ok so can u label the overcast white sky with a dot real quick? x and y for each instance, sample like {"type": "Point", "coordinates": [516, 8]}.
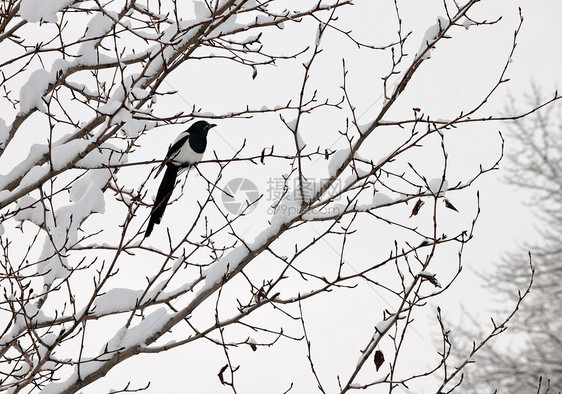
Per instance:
{"type": "Point", "coordinates": [453, 78]}
{"type": "Point", "coordinates": [456, 76]}
{"type": "Point", "coordinates": [458, 73]}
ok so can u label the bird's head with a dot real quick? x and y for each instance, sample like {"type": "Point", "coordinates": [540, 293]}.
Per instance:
{"type": "Point", "coordinates": [200, 127]}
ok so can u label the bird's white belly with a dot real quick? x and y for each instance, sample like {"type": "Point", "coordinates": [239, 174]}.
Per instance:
{"type": "Point", "coordinates": [187, 155]}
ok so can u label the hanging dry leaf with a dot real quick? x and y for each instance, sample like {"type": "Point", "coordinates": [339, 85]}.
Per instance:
{"type": "Point", "coordinates": [379, 359]}
{"type": "Point", "coordinates": [220, 374]}
{"type": "Point", "coordinates": [417, 207]}
{"type": "Point", "coordinates": [450, 206]}
{"type": "Point", "coordinates": [430, 277]}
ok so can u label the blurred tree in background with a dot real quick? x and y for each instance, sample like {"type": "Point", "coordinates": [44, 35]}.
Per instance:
{"type": "Point", "coordinates": [531, 349]}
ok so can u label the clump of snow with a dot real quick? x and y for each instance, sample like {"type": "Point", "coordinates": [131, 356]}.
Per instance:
{"type": "Point", "coordinates": [382, 326]}
{"type": "Point", "coordinates": [158, 294]}
{"type": "Point", "coordinates": [30, 209]}
{"type": "Point", "coordinates": [131, 126]}
{"type": "Point", "coordinates": [31, 314]}
{"type": "Point", "coordinates": [27, 168]}
{"type": "Point", "coordinates": [97, 27]}
{"type": "Point", "coordinates": [86, 198]}
{"type": "Point", "coordinates": [285, 211]}
{"type": "Point", "coordinates": [111, 107]}
{"type": "Point", "coordinates": [226, 264]}
{"type": "Point", "coordinates": [139, 93]}
{"type": "Point", "coordinates": [101, 156]}
{"type": "Point", "coordinates": [201, 10]}
{"type": "Point", "coordinates": [149, 326]}
{"type": "Point", "coordinates": [430, 35]}
{"type": "Point", "coordinates": [361, 173]}
{"type": "Point", "coordinates": [61, 155]}
{"type": "Point", "coordinates": [33, 175]}
{"type": "Point", "coordinates": [92, 182]}
{"type": "Point", "coordinates": [249, 4]}
{"type": "Point", "coordinates": [363, 128]}
{"type": "Point", "coordinates": [300, 142]}
{"type": "Point", "coordinates": [228, 26]}
{"type": "Point", "coordinates": [337, 161]}
{"type": "Point", "coordinates": [116, 300]}
{"type": "Point", "coordinates": [31, 93]}
{"type": "Point", "coordinates": [101, 23]}
{"type": "Point", "coordinates": [59, 66]}
{"type": "Point", "coordinates": [174, 35]}
{"type": "Point", "coordinates": [291, 124]}
{"type": "Point", "coordinates": [381, 199]}
{"type": "Point", "coordinates": [430, 277]}
{"type": "Point", "coordinates": [438, 186]}
{"type": "Point", "coordinates": [321, 26]}
{"type": "Point", "coordinates": [4, 133]}
{"type": "Point", "coordinates": [86, 367]}
{"type": "Point", "coordinates": [42, 10]}
{"type": "Point", "coordinates": [350, 180]}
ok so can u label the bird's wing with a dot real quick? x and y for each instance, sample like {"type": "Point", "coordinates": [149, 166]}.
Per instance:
{"type": "Point", "coordinates": [176, 145]}
{"type": "Point", "coordinates": [173, 150]}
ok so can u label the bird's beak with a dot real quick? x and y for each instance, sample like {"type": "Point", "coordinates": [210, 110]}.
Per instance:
{"type": "Point", "coordinates": [212, 125]}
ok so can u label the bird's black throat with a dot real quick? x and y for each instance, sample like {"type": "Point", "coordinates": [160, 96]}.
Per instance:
{"type": "Point", "coordinates": [198, 141]}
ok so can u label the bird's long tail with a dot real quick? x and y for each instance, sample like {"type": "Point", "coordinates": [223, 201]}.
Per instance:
{"type": "Point", "coordinates": [162, 197]}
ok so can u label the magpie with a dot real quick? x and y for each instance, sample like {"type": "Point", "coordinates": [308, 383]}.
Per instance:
{"type": "Point", "coordinates": [186, 150]}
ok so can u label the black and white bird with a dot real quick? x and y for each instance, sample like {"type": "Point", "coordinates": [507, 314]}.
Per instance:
{"type": "Point", "coordinates": [186, 150]}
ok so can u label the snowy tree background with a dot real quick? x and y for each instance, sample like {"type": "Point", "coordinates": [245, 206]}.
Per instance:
{"type": "Point", "coordinates": [361, 133]}
{"type": "Point", "coordinates": [531, 348]}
